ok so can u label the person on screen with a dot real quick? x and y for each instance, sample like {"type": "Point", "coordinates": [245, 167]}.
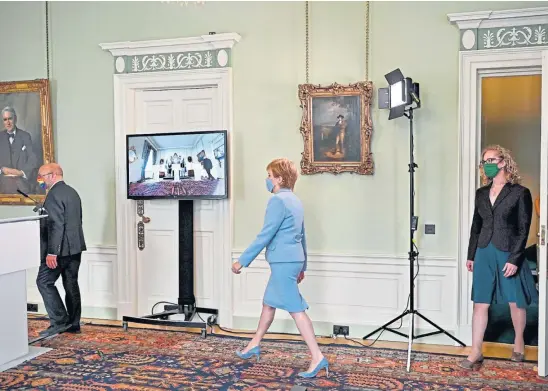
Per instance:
{"type": "Point", "coordinates": [283, 235]}
{"type": "Point", "coordinates": [496, 250]}
{"type": "Point", "coordinates": [161, 168]}
{"type": "Point", "coordinates": [208, 166]}
{"type": "Point", "coordinates": [18, 162]}
{"type": "Point", "coordinates": [61, 243]}
{"type": "Point", "coordinates": [190, 167]}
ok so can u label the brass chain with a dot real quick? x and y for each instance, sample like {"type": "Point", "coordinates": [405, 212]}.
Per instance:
{"type": "Point", "coordinates": [47, 39]}
{"type": "Point", "coordinates": [367, 41]}
{"type": "Point", "coordinates": [306, 24]}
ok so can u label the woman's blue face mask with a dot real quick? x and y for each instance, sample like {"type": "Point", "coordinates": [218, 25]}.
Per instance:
{"type": "Point", "coordinates": [269, 185]}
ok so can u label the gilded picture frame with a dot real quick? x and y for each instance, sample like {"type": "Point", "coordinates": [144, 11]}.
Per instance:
{"type": "Point", "coordinates": [336, 127]}
{"type": "Point", "coordinates": [26, 139]}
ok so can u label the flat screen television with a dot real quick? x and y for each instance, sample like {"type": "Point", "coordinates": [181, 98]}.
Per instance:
{"type": "Point", "coordinates": [182, 165]}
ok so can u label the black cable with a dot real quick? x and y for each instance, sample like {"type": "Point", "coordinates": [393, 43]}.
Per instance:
{"type": "Point", "coordinates": [160, 302]}
{"type": "Point", "coordinates": [362, 344]}
{"type": "Point", "coordinates": [408, 297]}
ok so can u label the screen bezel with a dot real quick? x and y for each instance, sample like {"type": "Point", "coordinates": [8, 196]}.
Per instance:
{"type": "Point", "coordinates": [177, 197]}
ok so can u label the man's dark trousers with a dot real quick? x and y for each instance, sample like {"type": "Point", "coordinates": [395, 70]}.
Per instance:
{"type": "Point", "coordinates": [67, 268]}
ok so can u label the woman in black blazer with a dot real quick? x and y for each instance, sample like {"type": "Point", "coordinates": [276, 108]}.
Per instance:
{"type": "Point", "coordinates": [498, 236]}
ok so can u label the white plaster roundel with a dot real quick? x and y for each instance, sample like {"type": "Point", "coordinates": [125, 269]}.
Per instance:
{"type": "Point", "coordinates": [120, 64]}
{"type": "Point", "coordinates": [222, 57]}
{"type": "Point", "coordinates": [468, 39]}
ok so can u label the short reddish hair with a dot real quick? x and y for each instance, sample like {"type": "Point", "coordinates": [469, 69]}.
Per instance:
{"type": "Point", "coordinates": [285, 169]}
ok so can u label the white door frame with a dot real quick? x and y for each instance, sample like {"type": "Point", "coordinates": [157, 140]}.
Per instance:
{"type": "Point", "coordinates": [472, 64]}
{"type": "Point", "coordinates": [500, 32]}
{"type": "Point", "coordinates": [185, 69]}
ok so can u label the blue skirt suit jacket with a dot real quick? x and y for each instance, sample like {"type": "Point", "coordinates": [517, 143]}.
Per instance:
{"type": "Point", "coordinates": [283, 235]}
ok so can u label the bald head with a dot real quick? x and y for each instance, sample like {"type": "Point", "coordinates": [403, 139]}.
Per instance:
{"type": "Point", "coordinates": [51, 173]}
{"type": "Point", "coordinates": [54, 168]}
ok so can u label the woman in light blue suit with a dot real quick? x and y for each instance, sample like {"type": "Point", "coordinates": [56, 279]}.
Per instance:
{"type": "Point", "coordinates": [283, 235]}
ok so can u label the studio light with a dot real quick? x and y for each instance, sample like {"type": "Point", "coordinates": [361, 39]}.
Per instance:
{"type": "Point", "coordinates": [401, 97]}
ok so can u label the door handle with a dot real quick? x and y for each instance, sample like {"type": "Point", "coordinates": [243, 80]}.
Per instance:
{"type": "Point", "coordinates": [145, 219]}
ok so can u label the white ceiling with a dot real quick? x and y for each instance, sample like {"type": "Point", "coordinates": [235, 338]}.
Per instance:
{"type": "Point", "coordinates": [177, 141]}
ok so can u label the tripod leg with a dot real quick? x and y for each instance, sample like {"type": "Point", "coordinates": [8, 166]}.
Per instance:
{"type": "Point", "coordinates": [385, 326]}
{"type": "Point", "coordinates": [411, 331]}
{"type": "Point", "coordinates": [440, 329]}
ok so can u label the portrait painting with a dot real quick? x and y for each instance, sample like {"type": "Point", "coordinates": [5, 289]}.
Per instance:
{"type": "Point", "coordinates": [336, 127]}
{"type": "Point", "coordinates": [26, 140]}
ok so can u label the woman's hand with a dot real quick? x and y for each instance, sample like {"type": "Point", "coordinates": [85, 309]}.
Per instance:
{"type": "Point", "coordinates": [470, 265]}
{"type": "Point", "coordinates": [300, 277]}
{"type": "Point", "coordinates": [236, 267]}
{"type": "Point", "coordinates": [509, 270]}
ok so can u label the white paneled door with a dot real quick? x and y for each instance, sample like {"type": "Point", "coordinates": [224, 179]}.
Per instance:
{"type": "Point", "coordinates": [157, 264]}
{"type": "Point", "coordinates": [543, 225]}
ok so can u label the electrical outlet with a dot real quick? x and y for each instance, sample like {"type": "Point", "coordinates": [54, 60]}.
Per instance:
{"type": "Point", "coordinates": [341, 330]}
{"type": "Point", "coordinates": [430, 229]}
{"type": "Point", "coordinates": [31, 307]}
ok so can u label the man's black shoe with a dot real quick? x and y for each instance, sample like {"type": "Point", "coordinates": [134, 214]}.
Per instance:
{"type": "Point", "coordinates": [74, 330]}
{"type": "Point", "coordinates": [52, 330]}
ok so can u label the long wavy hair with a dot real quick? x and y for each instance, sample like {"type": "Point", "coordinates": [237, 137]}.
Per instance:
{"type": "Point", "coordinates": [511, 167]}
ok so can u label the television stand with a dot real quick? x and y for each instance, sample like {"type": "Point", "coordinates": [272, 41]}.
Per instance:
{"type": "Point", "coordinates": [187, 302]}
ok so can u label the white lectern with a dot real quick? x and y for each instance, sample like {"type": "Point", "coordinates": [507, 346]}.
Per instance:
{"type": "Point", "coordinates": [19, 251]}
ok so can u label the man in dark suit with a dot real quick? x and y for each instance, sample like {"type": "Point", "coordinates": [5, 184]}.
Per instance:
{"type": "Point", "coordinates": [18, 162]}
{"type": "Point", "coordinates": [208, 166]}
{"type": "Point", "coordinates": [62, 242]}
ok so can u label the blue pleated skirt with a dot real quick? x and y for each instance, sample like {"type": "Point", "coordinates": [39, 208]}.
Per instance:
{"type": "Point", "coordinates": [489, 286]}
{"type": "Point", "coordinates": [282, 291]}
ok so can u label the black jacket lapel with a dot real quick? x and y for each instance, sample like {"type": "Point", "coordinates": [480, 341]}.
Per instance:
{"type": "Point", "coordinates": [485, 201]}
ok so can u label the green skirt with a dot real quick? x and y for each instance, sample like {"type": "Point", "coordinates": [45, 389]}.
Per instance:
{"type": "Point", "coordinates": [489, 286]}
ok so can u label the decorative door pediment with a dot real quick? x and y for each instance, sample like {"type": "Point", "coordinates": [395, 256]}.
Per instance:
{"type": "Point", "coordinates": [506, 29]}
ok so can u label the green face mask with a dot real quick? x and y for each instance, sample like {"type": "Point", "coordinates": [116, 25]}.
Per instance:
{"type": "Point", "coordinates": [491, 170]}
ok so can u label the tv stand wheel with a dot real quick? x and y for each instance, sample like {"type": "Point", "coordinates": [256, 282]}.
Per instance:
{"type": "Point", "coordinates": [204, 333]}
{"type": "Point", "coordinates": [124, 325]}
{"type": "Point", "coordinates": [212, 320]}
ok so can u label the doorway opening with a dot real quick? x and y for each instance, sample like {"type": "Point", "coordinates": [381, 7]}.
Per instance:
{"type": "Point", "coordinates": [511, 117]}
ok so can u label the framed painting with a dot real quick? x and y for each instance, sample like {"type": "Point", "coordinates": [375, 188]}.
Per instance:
{"type": "Point", "coordinates": [26, 139]}
{"type": "Point", "coordinates": [336, 127]}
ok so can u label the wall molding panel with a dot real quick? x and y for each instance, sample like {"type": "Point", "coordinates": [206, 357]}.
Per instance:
{"type": "Point", "coordinates": [364, 290]}
{"type": "Point", "coordinates": [97, 283]}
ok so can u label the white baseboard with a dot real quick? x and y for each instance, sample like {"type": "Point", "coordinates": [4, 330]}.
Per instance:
{"type": "Point", "coordinates": [96, 280]}
{"type": "Point", "coordinates": [87, 312]}
{"type": "Point", "coordinates": [357, 331]}
{"type": "Point", "coordinates": [362, 291]}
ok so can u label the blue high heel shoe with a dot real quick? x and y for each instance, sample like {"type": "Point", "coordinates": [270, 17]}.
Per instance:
{"type": "Point", "coordinates": [323, 364]}
{"type": "Point", "coordinates": [256, 351]}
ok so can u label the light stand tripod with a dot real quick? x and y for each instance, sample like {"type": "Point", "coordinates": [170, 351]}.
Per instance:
{"type": "Point", "coordinates": [412, 257]}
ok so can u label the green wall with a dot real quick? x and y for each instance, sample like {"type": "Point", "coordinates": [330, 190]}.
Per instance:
{"type": "Point", "coordinates": [346, 214]}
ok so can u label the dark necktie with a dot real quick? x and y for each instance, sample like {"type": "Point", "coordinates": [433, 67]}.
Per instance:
{"type": "Point", "coordinates": [11, 137]}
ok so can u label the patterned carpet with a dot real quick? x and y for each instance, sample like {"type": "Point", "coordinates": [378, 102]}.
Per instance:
{"type": "Point", "coordinates": [174, 188]}
{"type": "Point", "coordinates": [107, 359]}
